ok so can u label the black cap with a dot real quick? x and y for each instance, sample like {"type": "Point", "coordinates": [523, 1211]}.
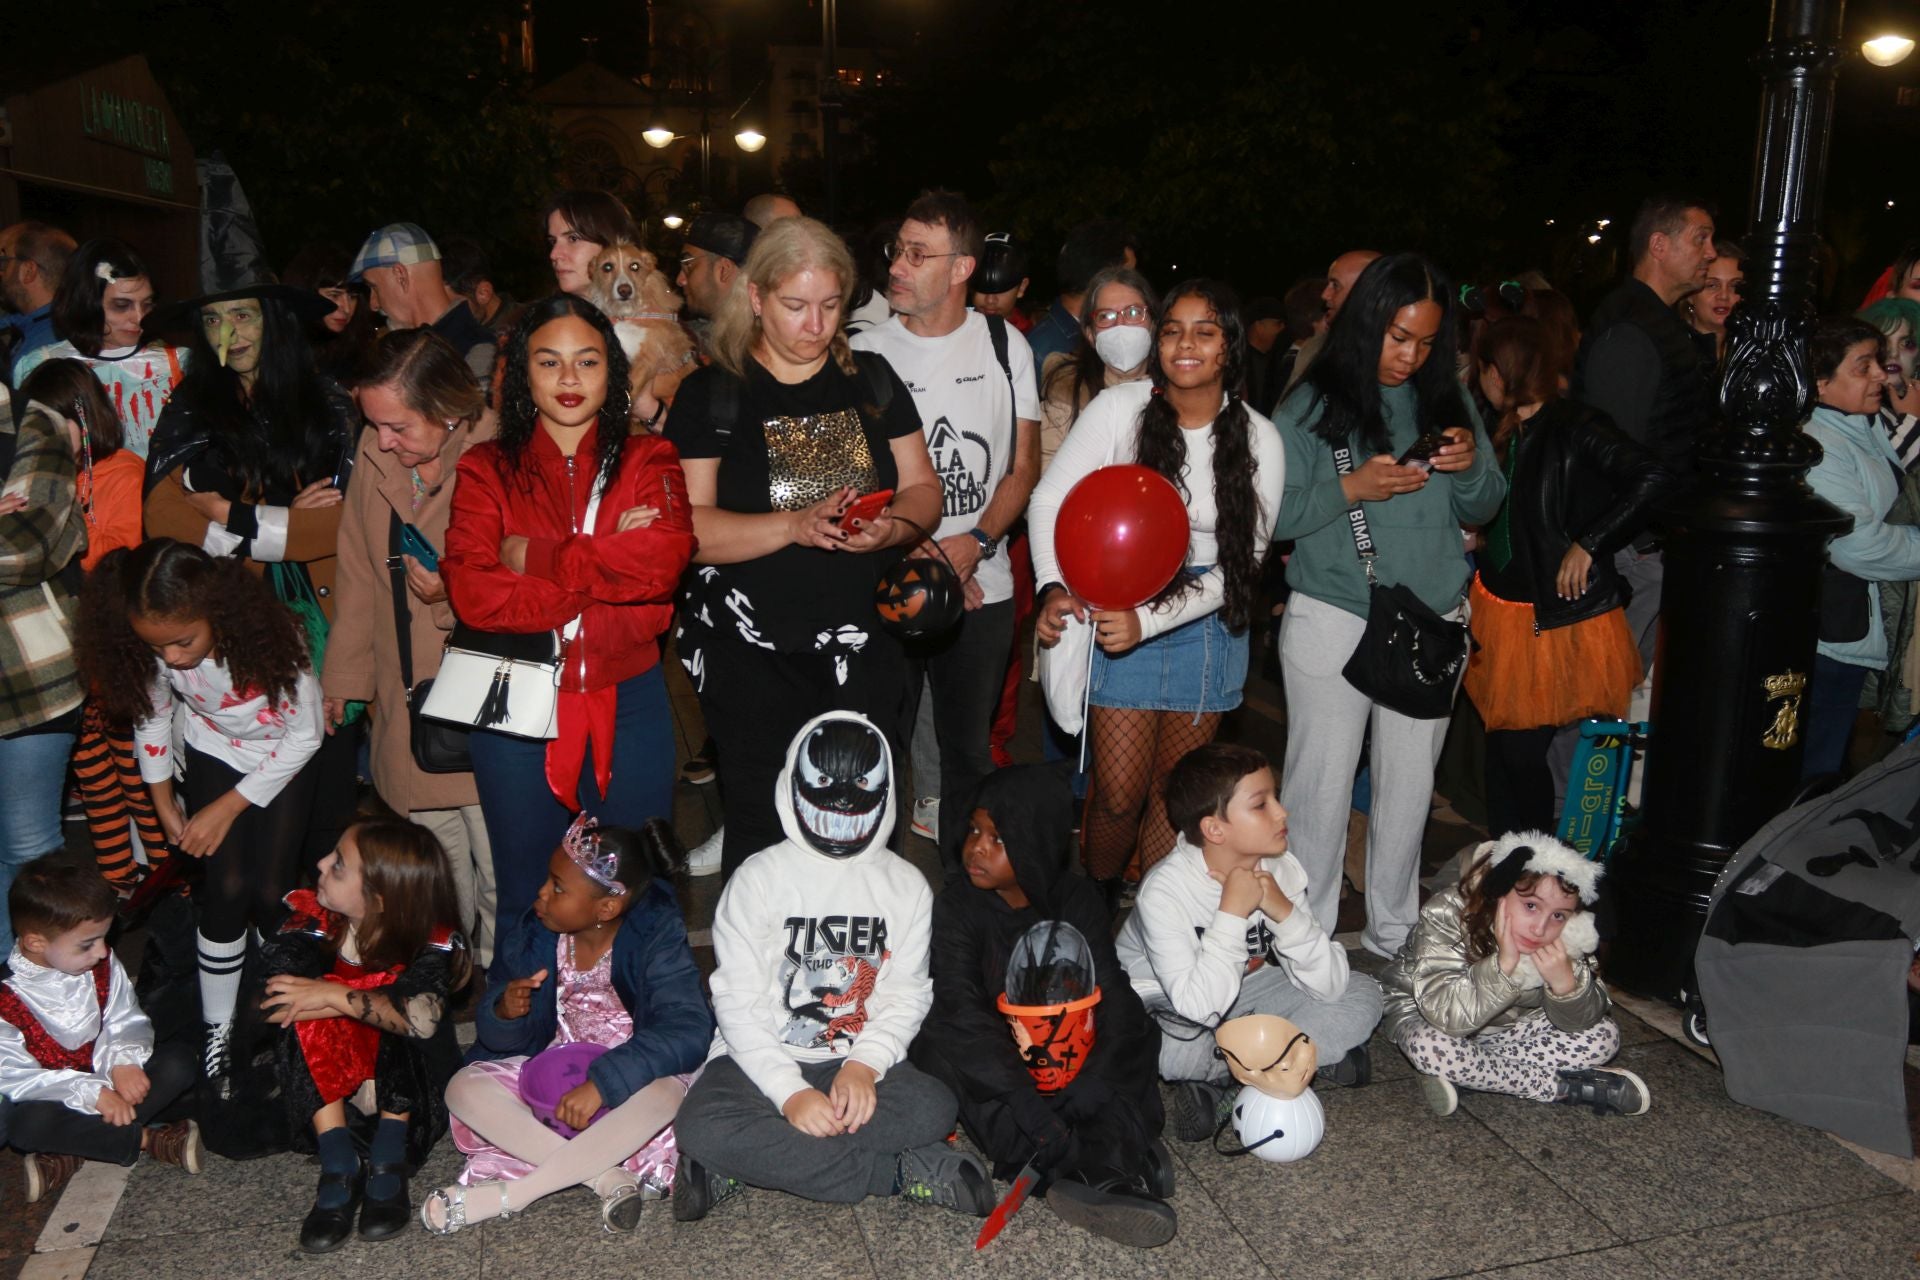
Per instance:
{"type": "Point", "coordinates": [1262, 309]}
{"type": "Point", "coordinates": [1002, 265]}
{"type": "Point", "coordinates": [727, 234]}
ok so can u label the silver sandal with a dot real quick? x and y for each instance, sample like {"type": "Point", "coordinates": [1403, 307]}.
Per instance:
{"type": "Point", "coordinates": [455, 1208]}
{"type": "Point", "coordinates": [620, 1212]}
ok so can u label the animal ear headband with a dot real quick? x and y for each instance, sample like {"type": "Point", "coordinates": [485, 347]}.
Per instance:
{"type": "Point", "coordinates": [582, 845]}
{"type": "Point", "coordinates": [1520, 852]}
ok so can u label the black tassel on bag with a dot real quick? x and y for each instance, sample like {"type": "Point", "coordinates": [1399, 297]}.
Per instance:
{"type": "Point", "coordinates": [493, 708]}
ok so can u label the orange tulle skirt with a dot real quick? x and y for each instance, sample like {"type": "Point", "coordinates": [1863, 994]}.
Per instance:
{"type": "Point", "coordinates": [1520, 680]}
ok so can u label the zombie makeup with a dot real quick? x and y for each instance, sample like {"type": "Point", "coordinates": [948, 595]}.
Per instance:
{"type": "Point", "coordinates": [840, 786]}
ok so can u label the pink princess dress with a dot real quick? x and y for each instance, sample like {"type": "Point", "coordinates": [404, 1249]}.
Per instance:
{"type": "Point", "coordinates": [589, 1012]}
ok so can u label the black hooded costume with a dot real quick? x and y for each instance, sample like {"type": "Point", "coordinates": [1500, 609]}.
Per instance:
{"type": "Point", "coordinates": [1100, 1126]}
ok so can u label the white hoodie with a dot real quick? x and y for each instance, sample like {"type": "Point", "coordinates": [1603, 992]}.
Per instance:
{"type": "Point", "coordinates": [1180, 948]}
{"type": "Point", "coordinates": [820, 958]}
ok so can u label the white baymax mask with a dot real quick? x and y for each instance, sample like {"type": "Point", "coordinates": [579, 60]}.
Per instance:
{"type": "Point", "coordinates": [841, 773]}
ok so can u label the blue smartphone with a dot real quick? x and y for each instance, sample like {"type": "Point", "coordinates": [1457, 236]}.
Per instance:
{"type": "Point", "coordinates": [414, 543]}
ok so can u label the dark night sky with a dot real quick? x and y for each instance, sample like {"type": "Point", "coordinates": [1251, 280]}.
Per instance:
{"type": "Point", "coordinates": [1249, 139]}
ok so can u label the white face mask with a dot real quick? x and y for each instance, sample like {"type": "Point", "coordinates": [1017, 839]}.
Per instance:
{"type": "Point", "coordinates": [1124, 347]}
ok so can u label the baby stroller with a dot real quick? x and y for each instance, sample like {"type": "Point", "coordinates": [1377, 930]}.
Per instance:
{"type": "Point", "coordinates": [1803, 962]}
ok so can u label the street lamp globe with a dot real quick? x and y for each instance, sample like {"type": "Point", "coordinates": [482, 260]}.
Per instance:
{"type": "Point", "coordinates": [1885, 51]}
{"type": "Point", "coordinates": [673, 222]}
{"type": "Point", "coordinates": [750, 140]}
{"type": "Point", "coordinates": [657, 137]}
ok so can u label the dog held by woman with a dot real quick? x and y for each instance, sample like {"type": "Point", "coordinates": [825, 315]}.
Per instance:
{"type": "Point", "coordinates": [625, 282]}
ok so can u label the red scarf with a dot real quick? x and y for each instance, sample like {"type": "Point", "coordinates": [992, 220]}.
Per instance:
{"type": "Point", "coordinates": [47, 1051]}
{"type": "Point", "coordinates": [586, 719]}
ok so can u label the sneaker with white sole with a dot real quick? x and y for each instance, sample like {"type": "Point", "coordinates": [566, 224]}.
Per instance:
{"type": "Point", "coordinates": [1197, 1109]}
{"type": "Point", "coordinates": [704, 858]}
{"type": "Point", "coordinates": [696, 1189]}
{"type": "Point", "coordinates": [1610, 1091]}
{"type": "Point", "coordinates": [926, 819]}
{"type": "Point", "coordinates": [1442, 1098]}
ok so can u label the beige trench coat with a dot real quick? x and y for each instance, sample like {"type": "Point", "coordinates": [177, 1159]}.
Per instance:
{"type": "Point", "coordinates": [363, 652]}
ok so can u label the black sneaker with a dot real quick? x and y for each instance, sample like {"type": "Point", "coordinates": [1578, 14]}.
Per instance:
{"type": "Point", "coordinates": [699, 767]}
{"type": "Point", "coordinates": [1610, 1091]}
{"type": "Point", "coordinates": [1350, 1072]}
{"type": "Point", "coordinates": [943, 1175]}
{"type": "Point", "coordinates": [1197, 1110]}
{"type": "Point", "coordinates": [696, 1191]}
{"type": "Point", "coordinates": [1119, 1212]}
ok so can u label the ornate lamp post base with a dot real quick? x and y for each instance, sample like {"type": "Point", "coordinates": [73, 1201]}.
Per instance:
{"type": "Point", "coordinates": [1739, 606]}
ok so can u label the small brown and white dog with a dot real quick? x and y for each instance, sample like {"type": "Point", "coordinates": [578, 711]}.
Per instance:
{"type": "Point", "coordinates": [627, 285]}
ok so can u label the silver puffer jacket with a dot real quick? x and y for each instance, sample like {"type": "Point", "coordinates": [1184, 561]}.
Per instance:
{"type": "Point", "coordinates": [1431, 979]}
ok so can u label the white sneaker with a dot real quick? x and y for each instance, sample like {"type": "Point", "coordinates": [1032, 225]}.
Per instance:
{"type": "Point", "coordinates": [926, 819]}
{"type": "Point", "coordinates": [704, 858]}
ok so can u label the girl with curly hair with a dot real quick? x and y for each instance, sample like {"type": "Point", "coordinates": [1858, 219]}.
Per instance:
{"type": "Point", "coordinates": [165, 625]}
{"type": "Point", "coordinates": [566, 516]}
{"type": "Point", "coordinates": [1167, 671]}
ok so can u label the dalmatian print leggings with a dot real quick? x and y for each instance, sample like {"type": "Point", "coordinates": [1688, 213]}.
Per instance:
{"type": "Point", "coordinates": [1523, 1060]}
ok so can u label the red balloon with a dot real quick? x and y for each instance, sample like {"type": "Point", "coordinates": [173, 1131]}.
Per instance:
{"type": "Point", "coordinates": [1120, 536]}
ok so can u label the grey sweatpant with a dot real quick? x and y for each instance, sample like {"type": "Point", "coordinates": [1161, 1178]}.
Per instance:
{"type": "Point", "coordinates": [728, 1125]}
{"type": "Point", "coordinates": [1334, 1026]}
{"type": "Point", "coordinates": [1327, 720]}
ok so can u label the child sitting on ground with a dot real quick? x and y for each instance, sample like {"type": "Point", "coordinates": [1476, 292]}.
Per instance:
{"type": "Point", "coordinates": [600, 958]}
{"type": "Point", "coordinates": [1096, 1135]}
{"type": "Point", "coordinates": [1222, 929]}
{"type": "Point", "coordinates": [77, 1055]}
{"type": "Point", "coordinates": [361, 972]}
{"type": "Point", "coordinates": [1497, 989]}
{"type": "Point", "coordinates": [821, 984]}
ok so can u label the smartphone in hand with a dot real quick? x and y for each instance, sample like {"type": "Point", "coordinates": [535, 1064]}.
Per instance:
{"type": "Point", "coordinates": [864, 507]}
{"type": "Point", "coordinates": [414, 543]}
{"type": "Point", "coordinates": [1420, 452]}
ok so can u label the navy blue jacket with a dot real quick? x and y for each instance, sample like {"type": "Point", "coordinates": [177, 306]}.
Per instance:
{"type": "Point", "coordinates": [654, 975]}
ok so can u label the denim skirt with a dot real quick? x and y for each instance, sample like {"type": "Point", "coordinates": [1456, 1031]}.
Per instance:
{"type": "Point", "coordinates": [1197, 667]}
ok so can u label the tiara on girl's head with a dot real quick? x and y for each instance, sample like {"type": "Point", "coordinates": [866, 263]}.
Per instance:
{"type": "Point", "coordinates": [582, 845]}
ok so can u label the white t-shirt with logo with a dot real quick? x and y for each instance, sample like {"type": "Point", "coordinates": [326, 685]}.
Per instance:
{"type": "Point", "coordinates": [967, 411]}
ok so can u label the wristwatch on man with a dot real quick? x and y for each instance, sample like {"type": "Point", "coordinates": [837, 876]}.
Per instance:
{"type": "Point", "coordinates": [989, 547]}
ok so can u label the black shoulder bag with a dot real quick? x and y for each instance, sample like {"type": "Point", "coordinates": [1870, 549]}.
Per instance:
{"type": "Point", "coordinates": [438, 746]}
{"type": "Point", "coordinates": [1409, 657]}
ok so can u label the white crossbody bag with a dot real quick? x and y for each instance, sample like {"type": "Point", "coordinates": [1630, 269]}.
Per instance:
{"type": "Point", "coordinates": [504, 683]}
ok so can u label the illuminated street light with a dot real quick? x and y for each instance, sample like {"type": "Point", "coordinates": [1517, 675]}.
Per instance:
{"type": "Point", "coordinates": [657, 137]}
{"type": "Point", "coordinates": [672, 222]}
{"type": "Point", "coordinates": [1593, 239]}
{"type": "Point", "coordinates": [750, 140]}
{"type": "Point", "coordinates": [1604, 223]}
{"type": "Point", "coordinates": [1885, 51]}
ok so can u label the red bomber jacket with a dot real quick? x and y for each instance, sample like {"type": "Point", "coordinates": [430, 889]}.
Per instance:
{"type": "Point", "coordinates": [620, 584]}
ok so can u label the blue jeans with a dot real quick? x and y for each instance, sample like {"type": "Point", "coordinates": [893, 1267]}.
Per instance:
{"type": "Point", "coordinates": [525, 821]}
{"type": "Point", "coordinates": [1832, 705]}
{"type": "Point", "coordinates": [33, 772]}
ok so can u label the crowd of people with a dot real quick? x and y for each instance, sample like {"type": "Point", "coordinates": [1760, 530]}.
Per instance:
{"type": "Point", "coordinates": [339, 606]}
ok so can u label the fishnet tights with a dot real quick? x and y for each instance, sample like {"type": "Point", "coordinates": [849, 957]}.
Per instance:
{"type": "Point", "coordinates": [1126, 818]}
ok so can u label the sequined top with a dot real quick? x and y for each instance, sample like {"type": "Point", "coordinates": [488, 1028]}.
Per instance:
{"type": "Point", "coordinates": [590, 1009]}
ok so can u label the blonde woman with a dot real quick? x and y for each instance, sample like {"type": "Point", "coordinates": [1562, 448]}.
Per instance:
{"type": "Point", "coordinates": [777, 437]}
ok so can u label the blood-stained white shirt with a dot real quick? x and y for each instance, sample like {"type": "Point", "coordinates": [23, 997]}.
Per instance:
{"type": "Point", "coordinates": [266, 742]}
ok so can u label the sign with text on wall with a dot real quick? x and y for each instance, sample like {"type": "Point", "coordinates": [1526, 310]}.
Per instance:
{"type": "Point", "coordinates": [122, 121]}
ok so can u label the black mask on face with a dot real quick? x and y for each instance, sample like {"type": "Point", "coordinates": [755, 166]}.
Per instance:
{"type": "Point", "coordinates": [840, 786]}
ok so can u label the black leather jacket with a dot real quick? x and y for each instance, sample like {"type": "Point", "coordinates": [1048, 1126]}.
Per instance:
{"type": "Point", "coordinates": [1577, 478]}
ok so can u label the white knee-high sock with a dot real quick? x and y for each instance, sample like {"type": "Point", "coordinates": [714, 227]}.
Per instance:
{"type": "Point", "coordinates": [220, 964]}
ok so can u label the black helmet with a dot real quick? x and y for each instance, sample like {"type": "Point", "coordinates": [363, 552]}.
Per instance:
{"type": "Point", "coordinates": [1002, 265]}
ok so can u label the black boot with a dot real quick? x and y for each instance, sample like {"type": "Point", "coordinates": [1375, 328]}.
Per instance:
{"type": "Point", "coordinates": [327, 1229]}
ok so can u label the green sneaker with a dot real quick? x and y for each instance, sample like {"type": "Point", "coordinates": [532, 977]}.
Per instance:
{"type": "Point", "coordinates": [939, 1174]}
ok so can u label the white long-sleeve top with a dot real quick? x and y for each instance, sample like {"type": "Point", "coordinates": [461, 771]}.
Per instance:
{"type": "Point", "coordinates": [1105, 435]}
{"type": "Point", "coordinates": [819, 958]}
{"type": "Point", "coordinates": [268, 744]}
{"type": "Point", "coordinates": [1179, 947]}
{"type": "Point", "coordinates": [68, 1006]}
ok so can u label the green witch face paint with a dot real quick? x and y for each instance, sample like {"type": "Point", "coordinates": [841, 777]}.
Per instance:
{"type": "Point", "coordinates": [235, 329]}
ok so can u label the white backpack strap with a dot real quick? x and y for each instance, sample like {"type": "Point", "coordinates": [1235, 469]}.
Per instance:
{"type": "Point", "coordinates": [572, 629]}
